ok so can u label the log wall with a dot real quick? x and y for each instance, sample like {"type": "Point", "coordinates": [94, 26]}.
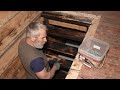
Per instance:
{"type": "Point", "coordinates": [12, 30]}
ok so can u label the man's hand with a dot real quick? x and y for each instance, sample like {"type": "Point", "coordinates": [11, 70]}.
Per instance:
{"type": "Point", "coordinates": [57, 65]}
{"type": "Point", "coordinates": [54, 59]}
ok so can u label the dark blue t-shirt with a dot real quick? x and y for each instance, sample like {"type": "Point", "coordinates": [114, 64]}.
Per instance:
{"type": "Point", "coordinates": [37, 64]}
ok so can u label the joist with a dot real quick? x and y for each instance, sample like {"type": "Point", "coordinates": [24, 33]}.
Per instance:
{"type": "Point", "coordinates": [62, 48]}
{"type": "Point", "coordinates": [68, 25]}
{"type": "Point", "coordinates": [83, 21]}
{"type": "Point", "coordinates": [66, 33]}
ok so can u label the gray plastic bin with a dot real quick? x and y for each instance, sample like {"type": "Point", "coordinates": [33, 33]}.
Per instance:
{"type": "Point", "coordinates": [93, 49]}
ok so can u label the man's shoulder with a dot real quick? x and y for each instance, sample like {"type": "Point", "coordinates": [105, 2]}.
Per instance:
{"type": "Point", "coordinates": [22, 43]}
{"type": "Point", "coordinates": [22, 40]}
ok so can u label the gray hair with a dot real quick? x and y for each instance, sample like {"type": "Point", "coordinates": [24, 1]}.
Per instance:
{"type": "Point", "coordinates": [33, 29]}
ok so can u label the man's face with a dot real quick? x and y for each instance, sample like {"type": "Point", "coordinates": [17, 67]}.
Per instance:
{"type": "Point", "coordinates": [41, 40]}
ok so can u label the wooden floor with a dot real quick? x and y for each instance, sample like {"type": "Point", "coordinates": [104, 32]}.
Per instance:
{"type": "Point", "coordinates": [108, 31]}
{"type": "Point", "coordinates": [14, 71]}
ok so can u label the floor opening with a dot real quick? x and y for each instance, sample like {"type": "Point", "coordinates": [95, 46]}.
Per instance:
{"type": "Point", "coordinates": [65, 34]}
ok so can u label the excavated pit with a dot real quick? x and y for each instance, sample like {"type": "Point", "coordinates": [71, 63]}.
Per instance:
{"type": "Point", "coordinates": [65, 34]}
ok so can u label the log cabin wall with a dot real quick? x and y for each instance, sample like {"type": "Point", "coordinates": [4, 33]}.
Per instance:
{"type": "Point", "coordinates": [12, 30]}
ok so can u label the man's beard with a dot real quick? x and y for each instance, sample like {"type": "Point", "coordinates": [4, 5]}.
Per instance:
{"type": "Point", "coordinates": [38, 45]}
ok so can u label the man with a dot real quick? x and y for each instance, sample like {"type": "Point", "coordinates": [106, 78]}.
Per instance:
{"type": "Point", "coordinates": [31, 55]}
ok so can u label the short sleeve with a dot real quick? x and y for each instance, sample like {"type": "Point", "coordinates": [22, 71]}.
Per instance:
{"type": "Point", "coordinates": [37, 64]}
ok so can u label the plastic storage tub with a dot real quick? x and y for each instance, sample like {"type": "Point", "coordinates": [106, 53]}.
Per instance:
{"type": "Point", "coordinates": [93, 49]}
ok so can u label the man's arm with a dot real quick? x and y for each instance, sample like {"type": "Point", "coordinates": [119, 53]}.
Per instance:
{"type": "Point", "coordinates": [38, 66]}
{"type": "Point", "coordinates": [50, 57]}
{"type": "Point", "coordinates": [47, 75]}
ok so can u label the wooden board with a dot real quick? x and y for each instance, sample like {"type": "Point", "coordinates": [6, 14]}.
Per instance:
{"type": "Point", "coordinates": [85, 21]}
{"type": "Point", "coordinates": [12, 30]}
{"type": "Point", "coordinates": [66, 33]}
{"type": "Point", "coordinates": [9, 26]}
{"type": "Point", "coordinates": [14, 71]}
{"type": "Point", "coordinates": [17, 21]}
{"type": "Point", "coordinates": [62, 48]}
{"type": "Point", "coordinates": [5, 16]}
{"type": "Point", "coordinates": [9, 56]}
{"type": "Point", "coordinates": [10, 42]}
{"type": "Point", "coordinates": [68, 25]}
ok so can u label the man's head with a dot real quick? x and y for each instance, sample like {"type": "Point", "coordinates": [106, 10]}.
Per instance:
{"type": "Point", "coordinates": [37, 34]}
